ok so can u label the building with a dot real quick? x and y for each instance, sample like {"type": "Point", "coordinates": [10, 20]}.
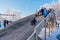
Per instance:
{"type": "Point", "coordinates": [11, 15]}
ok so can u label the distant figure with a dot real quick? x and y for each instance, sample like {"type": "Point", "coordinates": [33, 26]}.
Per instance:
{"type": "Point", "coordinates": [42, 11]}
{"type": "Point", "coordinates": [58, 24]}
{"type": "Point", "coordinates": [5, 23]}
{"type": "Point", "coordinates": [45, 12]}
{"type": "Point", "coordinates": [0, 24]}
{"type": "Point", "coordinates": [33, 21]}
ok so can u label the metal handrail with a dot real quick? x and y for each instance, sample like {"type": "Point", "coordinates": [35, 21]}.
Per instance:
{"type": "Point", "coordinates": [34, 35]}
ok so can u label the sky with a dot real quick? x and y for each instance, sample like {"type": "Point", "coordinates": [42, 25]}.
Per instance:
{"type": "Point", "coordinates": [26, 7]}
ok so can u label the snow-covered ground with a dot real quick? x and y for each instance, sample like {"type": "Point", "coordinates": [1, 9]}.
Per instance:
{"type": "Point", "coordinates": [54, 34]}
{"type": "Point", "coordinates": [42, 33]}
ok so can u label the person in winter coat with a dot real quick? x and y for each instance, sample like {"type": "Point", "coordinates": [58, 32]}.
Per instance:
{"type": "Point", "coordinates": [33, 21]}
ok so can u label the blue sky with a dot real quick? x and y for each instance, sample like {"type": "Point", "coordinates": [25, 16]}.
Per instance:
{"type": "Point", "coordinates": [26, 7]}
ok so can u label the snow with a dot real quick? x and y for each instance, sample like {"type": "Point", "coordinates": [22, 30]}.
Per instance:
{"type": "Point", "coordinates": [54, 34]}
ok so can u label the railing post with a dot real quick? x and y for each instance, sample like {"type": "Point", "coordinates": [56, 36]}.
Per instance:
{"type": "Point", "coordinates": [45, 28]}
{"type": "Point", "coordinates": [49, 25]}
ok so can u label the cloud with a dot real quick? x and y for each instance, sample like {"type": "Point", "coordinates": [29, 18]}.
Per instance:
{"type": "Point", "coordinates": [46, 5]}
{"type": "Point", "coordinates": [58, 0]}
{"type": "Point", "coordinates": [56, 5]}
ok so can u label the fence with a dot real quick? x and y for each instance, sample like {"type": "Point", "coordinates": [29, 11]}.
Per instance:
{"type": "Point", "coordinates": [42, 24]}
